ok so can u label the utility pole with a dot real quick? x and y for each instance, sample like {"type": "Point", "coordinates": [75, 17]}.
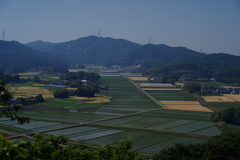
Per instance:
{"type": "Point", "coordinates": [3, 34]}
{"type": "Point", "coordinates": [99, 33]}
{"type": "Point", "coordinates": [149, 40]}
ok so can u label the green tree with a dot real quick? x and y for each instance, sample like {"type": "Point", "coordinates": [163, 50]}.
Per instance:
{"type": "Point", "coordinates": [10, 151]}
{"type": "Point", "coordinates": [61, 93]}
{"type": "Point", "coordinates": [221, 147]}
{"type": "Point", "coordinates": [85, 91]}
{"type": "Point", "coordinates": [10, 109]}
{"type": "Point", "coordinates": [192, 87]}
{"type": "Point", "coordinates": [123, 151]}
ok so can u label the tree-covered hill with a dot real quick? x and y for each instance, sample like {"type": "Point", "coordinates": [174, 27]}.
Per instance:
{"type": "Point", "coordinates": [150, 54]}
{"type": "Point", "coordinates": [223, 67]}
{"type": "Point", "coordinates": [99, 50]}
{"type": "Point", "coordinates": [39, 45]}
{"type": "Point", "coordinates": [89, 50]}
{"type": "Point", "coordinates": [16, 57]}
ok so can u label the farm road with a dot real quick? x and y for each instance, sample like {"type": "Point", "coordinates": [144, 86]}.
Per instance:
{"type": "Point", "coordinates": [158, 103]}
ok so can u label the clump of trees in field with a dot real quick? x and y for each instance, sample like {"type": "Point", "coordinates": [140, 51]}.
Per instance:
{"type": "Point", "coordinates": [61, 93]}
{"type": "Point", "coordinates": [229, 115]}
{"type": "Point", "coordinates": [30, 100]}
{"type": "Point", "coordinates": [81, 75]}
{"type": "Point", "coordinates": [192, 87]}
{"type": "Point", "coordinates": [87, 84]}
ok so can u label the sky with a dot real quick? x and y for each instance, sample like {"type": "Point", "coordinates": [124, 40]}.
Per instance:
{"type": "Point", "coordinates": [209, 26]}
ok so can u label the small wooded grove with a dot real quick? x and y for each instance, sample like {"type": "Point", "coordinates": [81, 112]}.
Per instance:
{"type": "Point", "coordinates": [81, 75]}
{"type": "Point", "coordinates": [222, 147]}
{"type": "Point", "coordinates": [74, 80]}
{"type": "Point", "coordinates": [229, 115]}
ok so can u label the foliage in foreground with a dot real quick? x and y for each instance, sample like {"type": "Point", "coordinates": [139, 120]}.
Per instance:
{"type": "Point", "coordinates": [52, 148]}
{"type": "Point", "coordinates": [222, 147]}
{"type": "Point", "coordinates": [9, 109]}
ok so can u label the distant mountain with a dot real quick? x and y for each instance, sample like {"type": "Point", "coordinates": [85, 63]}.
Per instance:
{"type": "Point", "coordinates": [39, 45]}
{"type": "Point", "coordinates": [150, 54]}
{"type": "Point", "coordinates": [88, 50]}
{"type": "Point", "coordinates": [223, 67]}
{"type": "Point", "coordinates": [16, 57]}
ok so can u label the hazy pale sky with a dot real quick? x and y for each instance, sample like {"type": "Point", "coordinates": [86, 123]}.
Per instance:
{"type": "Point", "coordinates": [210, 26]}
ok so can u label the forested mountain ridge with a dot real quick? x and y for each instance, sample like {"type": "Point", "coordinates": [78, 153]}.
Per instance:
{"type": "Point", "coordinates": [157, 60]}
{"type": "Point", "coordinates": [223, 67]}
{"type": "Point", "coordinates": [16, 57]}
{"type": "Point", "coordinates": [150, 54]}
{"type": "Point", "coordinates": [99, 50]}
{"type": "Point", "coordinates": [39, 45]}
{"type": "Point", "coordinates": [90, 50]}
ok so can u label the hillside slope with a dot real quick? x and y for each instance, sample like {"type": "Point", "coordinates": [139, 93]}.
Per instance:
{"type": "Point", "coordinates": [16, 57]}
{"type": "Point", "coordinates": [90, 50]}
{"type": "Point", "coordinates": [150, 54]}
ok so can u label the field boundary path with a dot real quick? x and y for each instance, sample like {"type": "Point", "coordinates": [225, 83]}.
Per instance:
{"type": "Point", "coordinates": [81, 124]}
{"type": "Point", "coordinates": [156, 101]}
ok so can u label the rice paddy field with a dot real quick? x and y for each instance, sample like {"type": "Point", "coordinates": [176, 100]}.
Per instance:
{"type": "Point", "coordinates": [122, 111]}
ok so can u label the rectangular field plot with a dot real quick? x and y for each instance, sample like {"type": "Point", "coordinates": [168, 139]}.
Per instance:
{"type": "Point", "coordinates": [190, 115]}
{"type": "Point", "coordinates": [73, 131]}
{"type": "Point", "coordinates": [67, 115]}
{"type": "Point", "coordinates": [145, 123]}
{"type": "Point", "coordinates": [113, 111]}
{"type": "Point", "coordinates": [56, 103]}
{"type": "Point", "coordinates": [8, 122]}
{"type": "Point", "coordinates": [131, 109]}
{"type": "Point", "coordinates": [170, 124]}
{"type": "Point", "coordinates": [37, 125]}
{"type": "Point", "coordinates": [223, 105]}
{"type": "Point", "coordinates": [222, 98]}
{"type": "Point", "coordinates": [118, 82]}
{"type": "Point", "coordinates": [115, 138]}
{"type": "Point", "coordinates": [211, 131]}
{"type": "Point", "coordinates": [151, 139]}
{"type": "Point", "coordinates": [154, 149]}
{"type": "Point", "coordinates": [188, 128]}
{"type": "Point", "coordinates": [170, 95]}
{"type": "Point", "coordinates": [185, 105]}
{"type": "Point", "coordinates": [95, 135]}
{"type": "Point", "coordinates": [121, 120]}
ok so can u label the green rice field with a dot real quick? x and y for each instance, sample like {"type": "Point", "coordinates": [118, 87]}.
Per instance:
{"type": "Point", "coordinates": [130, 113]}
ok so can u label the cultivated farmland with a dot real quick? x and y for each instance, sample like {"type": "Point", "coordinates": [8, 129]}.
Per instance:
{"type": "Point", "coordinates": [126, 112]}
